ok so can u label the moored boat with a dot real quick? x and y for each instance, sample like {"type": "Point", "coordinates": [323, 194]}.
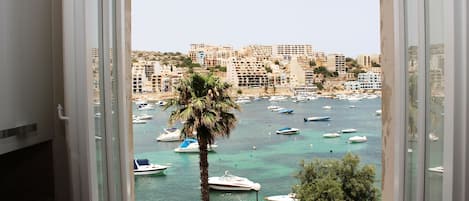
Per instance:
{"type": "Point", "coordinates": [438, 169]}
{"type": "Point", "coordinates": [229, 182]}
{"type": "Point", "coordinates": [327, 107]}
{"type": "Point", "coordinates": [144, 167]}
{"type": "Point", "coordinates": [348, 130]}
{"type": "Point", "coordinates": [357, 139]}
{"type": "Point", "coordinates": [144, 117]}
{"type": "Point", "coordinates": [139, 121]}
{"type": "Point", "coordinates": [190, 145]}
{"type": "Point", "coordinates": [169, 135]}
{"type": "Point", "coordinates": [331, 135]}
{"type": "Point", "coordinates": [325, 118]}
{"type": "Point", "coordinates": [145, 106]}
{"type": "Point", "coordinates": [289, 197]}
{"type": "Point", "coordinates": [285, 111]}
{"type": "Point", "coordinates": [378, 112]}
{"type": "Point", "coordinates": [287, 131]}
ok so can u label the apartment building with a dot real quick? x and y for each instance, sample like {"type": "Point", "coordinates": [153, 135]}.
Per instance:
{"type": "Point", "coordinates": [292, 50]}
{"type": "Point", "coordinates": [369, 80]}
{"type": "Point", "coordinates": [336, 63]}
{"type": "Point", "coordinates": [209, 55]}
{"type": "Point", "coordinates": [300, 74]}
{"type": "Point", "coordinates": [261, 52]}
{"type": "Point", "coordinates": [364, 60]}
{"type": "Point", "coordinates": [246, 72]}
{"type": "Point", "coordinates": [352, 85]}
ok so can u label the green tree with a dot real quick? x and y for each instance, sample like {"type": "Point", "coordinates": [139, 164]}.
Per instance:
{"type": "Point", "coordinates": [268, 69]}
{"type": "Point", "coordinates": [312, 63]}
{"type": "Point", "coordinates": [206, 108]}
{"type": "Point", "coordinates": [319, 86]}
{"type": "Point", "coordinates": [239, 92]}
{"type": "Point", "coordinates": [336, 180]}
{"type": "Point", "coordinates": [277, 62]}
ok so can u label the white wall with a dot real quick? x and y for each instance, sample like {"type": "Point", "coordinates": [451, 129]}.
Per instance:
{"type": "Point", "coordinates": [26, 82]}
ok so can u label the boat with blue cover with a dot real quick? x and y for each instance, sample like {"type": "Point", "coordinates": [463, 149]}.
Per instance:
{"type": "Point", "coordinates": [190, 145]}
{"type": "Point", "coordinates": [285, 111]}
{"type": "Point", "coordinates": [144, 167]}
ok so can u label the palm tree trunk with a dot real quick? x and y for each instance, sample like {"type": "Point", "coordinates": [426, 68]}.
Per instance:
{"type": "Point", "coordinates": [203, 165]}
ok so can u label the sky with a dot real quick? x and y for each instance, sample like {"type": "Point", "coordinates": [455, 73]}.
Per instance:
{"type": "Point", "coordinates": [333, 26]}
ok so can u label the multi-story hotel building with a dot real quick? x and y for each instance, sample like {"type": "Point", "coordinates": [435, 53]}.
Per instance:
{"type": "Point", "coordinates": [246, 72]}
{"type": "Point", "coordinates": [369, 80]}
{"type": "Point", "coordinates": [300, 74]}
{"type": "Point", "coordinates": [292, 50]}
{"type": "Point", "coordinates": [209, 55]}
{"type": "Point", "coordinates": [336, 63]}
{"type": "Point", "coordinates": [364, 60]}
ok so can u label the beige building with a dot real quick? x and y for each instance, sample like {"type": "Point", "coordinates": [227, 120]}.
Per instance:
{"type": "Point", "coordinates": [364, 60]}
{"type": "Point", "coordinates": [300, 75]}
{"type": "Point", "coordinates": [210, 55]}
{"type": "Point", "coordinates": [246, 72]}
{"type": "Point", "coordinates": [292, 50]}
{"type": "Point", "coordinates": [336, 63]}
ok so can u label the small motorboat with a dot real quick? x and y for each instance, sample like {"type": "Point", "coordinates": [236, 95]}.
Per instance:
{"type": "Point", "coordinates": [432, 137]}
{"type": "Point", "coordinates": [357, 139]}
{"type": "Point", "coordinates": [144, 117]}
{"type": "Point", "coordinates": [352, 106]}
{"type": "Point", "coordinates": [325, 118]}
{"type": "Point", "coordinates": [169, 135]}
{"type": "Point", "coordinates": [289, 197]}
{"type": "Point", "coordinates": [277, 109]}
{"type": "Point", "coordinates": [331, 135]}
{"type": "Point", "coordinates": [354, 98]}
{"type": "Point", "coordinates": [229, 182]}
{"type": "Point", "coordinates": [348, 130]}
{"type": "Point", "coordinates": [138, 121]}
{"type": "Point", "coordinates": [327, 107]}
{"type": "Point", "coordinates": [140, 101]}
{"type": "Point", "coordinates": [190, 145]}
{"type": "Point", "coordinates": [278, 98]}
{"type": "Point", "coordinates": [285, 111]}
{"type": "Point", "coordinates": [144, 167]}
{"type": "Point", "coordinates": [273, 107]}
{"type": "Point", "coordinates": [145, 106]}
{"type": "Point", "coordinates": [288, 131]}
{"type": "Point", "coordinates": [372, 96]}
{"type": "Point", "coordinates": [438, 169]}
{"type": "Point", "coordinates": [378, 112]}
{"type": "Point", "coordinates": [241, 101]}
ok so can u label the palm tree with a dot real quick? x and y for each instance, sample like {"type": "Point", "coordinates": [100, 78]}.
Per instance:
{"type": "Point", "coordinates": [205, 107]}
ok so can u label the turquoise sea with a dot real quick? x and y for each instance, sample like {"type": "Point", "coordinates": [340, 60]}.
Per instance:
{"type": "Point", "coordinates": [276, 158]}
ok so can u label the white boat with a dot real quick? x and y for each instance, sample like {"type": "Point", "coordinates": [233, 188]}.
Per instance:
{"type": "Point", "coordinates": [191, 146]}
{"type": "Point", "coordinates": [325, 118]}
{"type": "Point", "coordinates": [277, 109]}
{"type": "Point", "coordinates": [287, 131]}
{"type": "Point", "coordinates": [357, 139]}
{"type": "Point", "coordinates": [331, 135]}
{"type": "Point", "coordinates": [240, 101]}
{"type": "Point", "coordinates": [229, 182]}
{"type": "Point", "coordinates": [349, 130]}
{"type": "Point", "coordinates": [438, 169]}
{"type": "Point", "coordinates": [285, 111]}
{"type": "Point", "coordinates": [354, 98]}
{"type": "Point", "coordinates": [278, 98]}
{"type": "Point", "coordinates": [169, 135]}
{"type": "Point", "coordinates": [372, 96]}
{"type": "Point", "coordinates": [145, 106]}
{"type": "Point", "coordinates": [144, 117]}
{"type": "Point", "coordinates": [311, 98]}
{"type": "Point", "coordinates": [433, 137]}
{"type": "Point", "coordinates": [378, 112]}
{"type": "Point", "coordinates": [352, 106]}
{"type": "Point", "coordinates": [140, 101]}
{"type": "Point", "coordinates": [289, 197]}
{"type": "Point", "coordinates": [272, 107]}
{"type": "Point", "coordinates": [327, 107]}
{"type": "Point", "coordinates": [139, 121]}
{"type": "Point", "coordinates": [144, 167]}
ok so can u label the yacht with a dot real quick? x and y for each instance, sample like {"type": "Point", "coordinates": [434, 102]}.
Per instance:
{"type": "Point", "coordinates": [285, 111]}
{"type": "Point", "coordinates": [278, 98]}
{"type": "Point", "coordinates": [169, 135]}
{"type": "Point", "coordinates": [325, 118]}
{"type": "Point", "coordinates": [327, 107]}
{"type": "Point", "coordinates": [289, 197]}
{"type": "Point", "coordinates": [144, 117]}
{"type": "Point", "coordinates": [191, 146]}
{"type": "Point", "coordinates": [273, 107]}
{"type": "Point", "coordinates": [331, 135]}
{"type": "Point", "coordinates": [144, 167]}
{"type": "Point", "coordinates": [378, 112]}
{"type": "Point", "coordinates": [287, 131]}
{"type": "Point", "coordinates": [145, 106]}
{"type": "Point", "coordinates": [349, 130]}
{"type": "Point", "coordinates": [229, 182]}
{"type": "Point", "coordinates": [357, 139]}
{"type": "Point", "coordinates": [138, 121]}
{"type": "Point", "coordinates": [438, 169]}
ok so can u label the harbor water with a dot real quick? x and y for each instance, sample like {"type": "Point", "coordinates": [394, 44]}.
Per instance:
{"type": "Point", "coordinates": [275, 159]}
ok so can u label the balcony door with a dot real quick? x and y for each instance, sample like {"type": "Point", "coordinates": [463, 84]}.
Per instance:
{"type": "Point", "coordinates": [97, 98]}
